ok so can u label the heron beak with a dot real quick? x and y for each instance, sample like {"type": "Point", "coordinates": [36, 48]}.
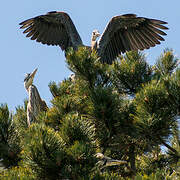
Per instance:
{"type": "Point", "coordinates": [33, 73]}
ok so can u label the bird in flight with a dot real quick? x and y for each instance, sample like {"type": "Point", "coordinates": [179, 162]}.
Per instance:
{"type": "Point", "coordinates": [123, 33]}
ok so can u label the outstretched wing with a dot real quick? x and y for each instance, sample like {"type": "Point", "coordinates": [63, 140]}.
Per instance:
{"type": "Point", "coordinates": [54, 28]}
{"type": "Point", "coordinates": [129, 32]}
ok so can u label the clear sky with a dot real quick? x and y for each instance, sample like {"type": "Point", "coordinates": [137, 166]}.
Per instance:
{"type": "Point", "coordinates": [20, 55]}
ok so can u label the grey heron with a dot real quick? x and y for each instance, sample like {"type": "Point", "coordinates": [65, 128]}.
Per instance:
{"type": "Point", "coordinates": [35, 103]}
{"type": "Point", "coordinates": [123, 33]}
{"type": "Point", "coordinates": [105, 161]}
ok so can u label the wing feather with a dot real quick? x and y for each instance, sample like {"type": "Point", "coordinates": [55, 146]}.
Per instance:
{"type": "Point", "coordinates": [26, 23]}
{"type": "Point", "coordinates": [155, 21]}
{"type": "Point", "coordinates": [149, 39]}
{"type": "Point", "coordinates": [28, 29]}
{"type": "Point", "coordinates": [136, 40]}
{"type": "Point", "coordinates": [124, 41]}
{"type": "Point", "coordinates": [42, 29]}
{"type": "Point", "coordinates": [30, 33]}
{"type": "Point", "coordinates": [54, 28]}
{"type": "Point", "coordinates": [118, 43]}
{"type": "Point", "coordinates": [156, 30]}
{"type": "Point", "coordinates": [142, 39]}
{"type": "Point", "coordinates": [35, 35]}
{"type": "Point", "coordinates": [129, 32]}
{"type": "Point", "coordinates": [153, 33]}
{"type": "Point", "coordinates": [110, 49]}
{"type": "Point", "coordinates": [129, 39]}
{"type": "Point", "coordinates": [159, 26]}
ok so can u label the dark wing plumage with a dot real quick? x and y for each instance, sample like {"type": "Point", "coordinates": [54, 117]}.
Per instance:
{"type": "Point", "coordinates": [129, 32]}
{"type": "Point", "coordinates": [54, 28]}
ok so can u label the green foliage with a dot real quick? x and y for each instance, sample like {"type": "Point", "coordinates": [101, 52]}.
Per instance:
{"type": "Point", "coordinates": [166, 63]}
{"type": "Point", "coordinates": [18, 173]}
{"type": "Point", "coordinates": [106, 176]}
{"type": "Point", "coordinates": [153, 115]}
{"type": "Point", "coordinates": [9, 138]}
{"type": "Point", "coordinates": [78, 135]}
{"type": "Point", "coordinates": [131, 72]}
{"type": "Point", "coordinates": [154, 176]}
{"type": "Point", "coordinates": [87, 66]}
{"type": "Point", "coordinates": [76, 128]}
{"type": "Point", "coordinates": [125, 111]}
{"type": "Point", "coordinates": [82, 159]}
{"type": "Point", "coordinates": [44, 152]}
{"type": "Point", "coordinates": [105, 110]}
{"type": "Point", "coordinates": [5, 121]}
{"type": "Point", "coordinates": [20, 118]}
{"type": "Point", "coordinates": [70, 97]}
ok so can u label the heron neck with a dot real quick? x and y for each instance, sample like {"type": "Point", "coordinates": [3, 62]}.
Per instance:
{"type": "Point", "coordinates": [28, 86]}
{"type": "Point", "coordinates": [93, 43]}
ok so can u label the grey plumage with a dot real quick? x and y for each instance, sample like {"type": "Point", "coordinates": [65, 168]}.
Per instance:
{"type": "Point", "coordinates": [35, 103]}
{"type": "Point", "coordinates": [123, 33]}
{"type": "Point", "coordinates": [105, 161]}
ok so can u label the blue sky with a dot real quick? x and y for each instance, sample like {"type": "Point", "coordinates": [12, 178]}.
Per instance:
{"type": "Point", "coordinates": [19, 55]}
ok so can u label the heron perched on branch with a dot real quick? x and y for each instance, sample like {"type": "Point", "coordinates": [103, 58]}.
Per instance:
{"type": "Point", "coordinates": [105, 161]}
{"type": "Point", "coordinates": [35, 103]}
{"type": "Point", "coordinates": [123, 33]}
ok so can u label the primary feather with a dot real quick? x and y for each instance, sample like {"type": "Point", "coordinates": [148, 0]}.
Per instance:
{"type": "Point", "coordinates": [123, 33]}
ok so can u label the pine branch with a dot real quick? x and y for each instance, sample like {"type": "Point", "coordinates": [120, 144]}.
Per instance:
{"type": "Point", "coordinates": [168, 146]}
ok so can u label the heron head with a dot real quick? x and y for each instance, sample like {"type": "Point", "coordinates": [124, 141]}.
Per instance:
{"type": "Point", "coordinates": [95, 34]}
{"type": "Point", "coordinates": [28, 80]}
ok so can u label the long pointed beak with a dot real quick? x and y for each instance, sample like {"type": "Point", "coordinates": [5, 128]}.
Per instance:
{"type": "Point", "coordinates": [33, 73]}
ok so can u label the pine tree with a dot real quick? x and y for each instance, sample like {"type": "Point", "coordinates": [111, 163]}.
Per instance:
{"type": "Point", "coordinates": [9, 138]}
{"type": "Point", "coordinates": [127, 111]}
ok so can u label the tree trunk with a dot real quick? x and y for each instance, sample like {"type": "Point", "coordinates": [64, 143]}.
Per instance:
{"type": "Point", "coordinates": [132, 159]}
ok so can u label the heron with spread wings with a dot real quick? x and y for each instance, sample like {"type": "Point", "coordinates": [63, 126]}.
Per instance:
{"type": "Point", "coordinates": [35, 103]}
{"type": "Point", "coordinates": [123, 33]}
